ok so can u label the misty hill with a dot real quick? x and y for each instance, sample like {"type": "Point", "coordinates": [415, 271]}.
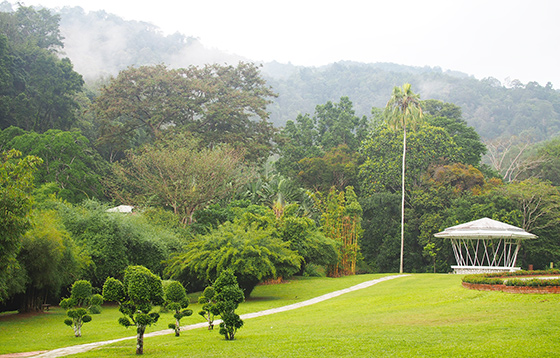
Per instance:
{"type": "Point", "coordinates": [493, 108]}
{"type": "Point", "coordinates": [101, 44]}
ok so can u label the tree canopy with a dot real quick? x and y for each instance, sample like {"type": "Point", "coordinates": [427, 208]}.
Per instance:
{"type": "Point", "coordinates": [221, 104]}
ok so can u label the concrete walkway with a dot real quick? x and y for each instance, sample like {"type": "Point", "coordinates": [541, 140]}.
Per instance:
{"type": "Point", "coordinates": [61, 352]}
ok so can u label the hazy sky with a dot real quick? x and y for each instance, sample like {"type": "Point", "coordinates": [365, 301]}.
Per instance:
{"type": "Point", "coordinates": [512, 38]}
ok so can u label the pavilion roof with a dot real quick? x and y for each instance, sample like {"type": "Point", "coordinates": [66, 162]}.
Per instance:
{"type": "Point", "coordinates": [485, 228]}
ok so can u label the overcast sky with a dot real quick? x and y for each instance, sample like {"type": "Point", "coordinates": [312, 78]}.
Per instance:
{"type": "Point", "coordinates": [512, 38]}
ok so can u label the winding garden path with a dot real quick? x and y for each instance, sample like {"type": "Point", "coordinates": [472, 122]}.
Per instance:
{"type": "Point", "coordinates": [60, 352]}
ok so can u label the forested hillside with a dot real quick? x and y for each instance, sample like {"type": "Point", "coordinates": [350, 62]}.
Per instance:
{"type": "Point", "coordinates": [492, 108]}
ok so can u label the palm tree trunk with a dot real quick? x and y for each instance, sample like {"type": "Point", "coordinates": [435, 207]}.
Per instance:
{"type": "Point", "coordinates": [402, 202]}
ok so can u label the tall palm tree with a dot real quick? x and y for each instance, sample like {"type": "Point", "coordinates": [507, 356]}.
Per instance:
{"type": "Point", "coordinates": [402, 110]}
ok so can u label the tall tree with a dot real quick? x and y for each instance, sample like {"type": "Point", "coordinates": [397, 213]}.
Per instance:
{"type": "Point", "coordinates": [68, 160]}
{"type": "Point", "coordinates": [16, 182]}
{"type": "Point", "coordinates": [39, 92]}
{"type": "Point", "coordinates": [222, 104]}
{"type": "Point", "coordinates": [402, 110]}
{"type": "Point", "coordinates": [177, 174]}
{"type": "Point", "coordinates": [334, 125]}
{"type": "Point", "coordinates": [341, 216]}
{"type": "Point", "coordinates": [449, 117]}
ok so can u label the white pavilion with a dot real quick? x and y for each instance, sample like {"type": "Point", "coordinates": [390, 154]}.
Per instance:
{"type": "Point", "coordinates": [485, 245]}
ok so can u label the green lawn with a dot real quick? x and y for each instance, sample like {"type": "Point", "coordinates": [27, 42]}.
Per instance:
{"type": "Point", "coordinates": [418, 316]}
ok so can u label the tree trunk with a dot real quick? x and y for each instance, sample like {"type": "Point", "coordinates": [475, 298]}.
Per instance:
{"type": "Point", "coordinates": [402, 203]}
{"type": "Point", "coordinates": [140, 339]}
{"type": "Point", "coordinates": [77, 329]}
{"type": "Point", "coordinates": [177, 328]}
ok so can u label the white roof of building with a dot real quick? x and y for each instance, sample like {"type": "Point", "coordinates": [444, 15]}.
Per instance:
{"type": "Point", "coordinates": [485, 228]}
{"type": "Point", "coordinates": [121, 209]}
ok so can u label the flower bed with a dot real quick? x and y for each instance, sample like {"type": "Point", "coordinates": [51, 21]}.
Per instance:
{"type": "Point", "coordinates": [515, 282]}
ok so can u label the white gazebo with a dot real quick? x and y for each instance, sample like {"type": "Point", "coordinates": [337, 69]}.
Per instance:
{"type": "Point", "coordinates": [485, 245]}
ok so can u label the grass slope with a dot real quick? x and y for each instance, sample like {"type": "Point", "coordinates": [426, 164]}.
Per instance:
{"type": "Point", "coordinates": [418, 316]}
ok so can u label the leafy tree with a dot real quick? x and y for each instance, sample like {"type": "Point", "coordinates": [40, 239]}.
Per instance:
{"type": "Point", "coordinates": [31, 26]}
{"type": "Point", "coordinates": [338, 167]}
{"type": "Point", "coordinates": [545, 163]}
{"type": "Point", "coordinates": [114, 241]}
{"type": "Point", "coordinates": [140, 291]}
{"type": "Point", "coordinates": [179, 175]}
{"type": "Point", "coordinates": [49, 259]}
{"type": "Point", "coordinates": [403, 109]}
{"type": "Point", "coordinates": [207, 300]}
{"type": "Point", "coordinates": [299, 231]}
{"type": "Point", "coordinates": [448, 116]}
{"type": "Point", "coordinates": [253, 253]}
{"type": "Point", "coordinates": [40, 86]}
{"type": "Point", "coordinates": [177, 301]}
{"type": "Point", "coordinates": [228, 297]}
{"type": "Point", "coordinates": [68, 160]}
{"type": "Point", "coordinates": [216, 102]}
{"type": "Point", "coordinates": [299, 140]}
{"type": "Point", "coordinates": [380, 240]}
{"type": "Point", "coordinates": [381, 167]}
{"type": "Point", "coordinates": [338, 125]}
{"type": "Point", "coordinates": [306, 239]}
{"type": "Point", "coordinates": [16, 182]}
{"type": "Point", "coordinates": [537, 201]}
{"type": "Point", "coordinates": [341, 216]}
{"type": "Point", "coordinates": [81, 300]}
{"type": "Point", "coordinates": [334, 125]}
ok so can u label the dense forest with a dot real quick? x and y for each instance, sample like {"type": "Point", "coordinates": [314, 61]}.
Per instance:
{"type": "Point", "coordinates": [270, 171]}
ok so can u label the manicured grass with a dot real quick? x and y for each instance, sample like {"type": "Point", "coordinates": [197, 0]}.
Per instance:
{"type": "Point", "coordinates": [19, 333]}
{"type": "Point", "coordinates": [418, 316]}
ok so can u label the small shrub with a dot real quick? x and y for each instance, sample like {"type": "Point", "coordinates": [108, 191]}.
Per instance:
{"type": "Point", "coordinates": [500, 278]}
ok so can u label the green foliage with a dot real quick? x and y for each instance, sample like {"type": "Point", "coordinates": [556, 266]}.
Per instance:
{"type": "Point", "coordinates": [68, 160]}
{"type": "Point", "coordinates": [503, 278]}
{"type": "Point", "coordinates": [337, 167]}
{"type": "Point", "coordinates": [208, 300]}
{"type": "Point", "coordinates": [534, 282]}
{"type": "Point", "coordinates": [39, 87]}
{"type": "Point", "coordinates": [382, 151]}
{"type": "Point", "coordinates": [115, 240]}
{"type": "Point", "coordinates": [139, 292]}
{"type": "Point", "coordinates": [329, 138]}
{"type": "Point", "coordinates": [216, 102]}
{"type": "Point", "coordinates": [77, 305]}
{"type": "Point", "coordinates": [113, 290]}
{"type": "Point", "coordinates": [380, 241]}
{"type": "Point", "coordinates": [448, 116]}
{"type": "Point", "coordinates": [176, 300]}
{"type": "Point", "coordinates": [306, 239]}
{"type": "Point", "coordinates": [178, 174]}
{"type": "Point", "coordinates": [49, 258]}
{"type": "Point", "coordinates": [16, 181]}
{"type": "Point", "coordinates": [228, 296]}
{"type": "Point", "coordinates": [341, 216]}
{"type": "Point", "coordinates": [477, 279]}
{"type": "Point", "coordinates": [546, 162]}
{"type": "Point", "coordinates": [253, 253]}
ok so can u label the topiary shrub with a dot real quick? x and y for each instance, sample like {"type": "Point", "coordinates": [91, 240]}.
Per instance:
{"type": "Point", "coordinates": [81, 301]}
{"type": "Point", "coordinates": [139, 292]}
{"type": "Point", "coordinates": [177, 301]}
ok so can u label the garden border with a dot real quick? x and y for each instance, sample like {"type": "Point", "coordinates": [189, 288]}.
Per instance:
{"type": "Point", "coordinates": [514, 282]}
